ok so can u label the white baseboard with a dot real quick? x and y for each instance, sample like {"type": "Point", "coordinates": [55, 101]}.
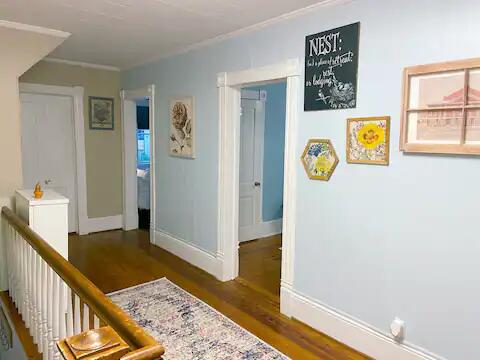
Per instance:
{"type": "Point", "coordinates": [188, 252]}
{"type": "Point", "coordinates": [103, 224]}
{"type": "Point", "coordinates": [348, 330]}
{"type": "Point", "coordinates": [264, 229]}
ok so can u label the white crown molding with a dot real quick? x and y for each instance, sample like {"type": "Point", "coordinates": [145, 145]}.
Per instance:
{"type": "Point", "coordinates": [242, 31]}
{"type": "Point", "coordinates": [34, 29]}
{"type": "Point", "coordinates": [82, 64]}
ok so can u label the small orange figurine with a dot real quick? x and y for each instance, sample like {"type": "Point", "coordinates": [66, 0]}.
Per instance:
{"type": "Point", "coordinates": [37, 193]}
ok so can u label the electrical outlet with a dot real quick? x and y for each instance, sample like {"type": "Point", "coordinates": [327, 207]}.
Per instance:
{"type": "Point", "coordinates": [397, 329]}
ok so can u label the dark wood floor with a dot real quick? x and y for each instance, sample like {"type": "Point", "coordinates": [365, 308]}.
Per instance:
{"type": "Point", "coordinates": [115, 260]}
{"type": "Point", "coordinates": [260, 265]}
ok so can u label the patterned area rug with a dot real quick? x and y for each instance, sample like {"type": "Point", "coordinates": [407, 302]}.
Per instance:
{"type": "Point", "coordinates": [187, 327]}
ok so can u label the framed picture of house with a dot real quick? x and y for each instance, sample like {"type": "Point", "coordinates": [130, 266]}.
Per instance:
{"type": "Point", "coordinates": [101, 113]}
{"type": "Point", "coordinates": [441, 108]}
{"type": "Point", "coordinates": [368, 140]}
{"type": "Point", "coordinates": [182, 127]}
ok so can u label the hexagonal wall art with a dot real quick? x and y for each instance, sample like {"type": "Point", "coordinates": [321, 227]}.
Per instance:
{"type": "Point", "coordinates": [319, 159]}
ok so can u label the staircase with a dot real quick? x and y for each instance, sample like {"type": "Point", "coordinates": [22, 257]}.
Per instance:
{"type": "Point", "coordinates": [57, 303]}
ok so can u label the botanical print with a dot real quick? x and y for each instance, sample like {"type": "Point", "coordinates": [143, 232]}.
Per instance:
{"type": "Point", "coordinates": [182, 127]}
{"type": "Point", "coordinates": [368, 140]}
{"type": "Point", "coordinates": [101, 113]}
{"type": "Point", "coordinates": [319, 159]}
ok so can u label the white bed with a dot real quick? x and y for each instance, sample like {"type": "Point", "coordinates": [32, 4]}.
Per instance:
{"type": "Point", "coordinates": [143, 189]}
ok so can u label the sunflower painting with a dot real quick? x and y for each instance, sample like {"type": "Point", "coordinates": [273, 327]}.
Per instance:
{"type": "Point", "coordinates": [182, 127]}
{"type": "Point", "coordinates": [368, 140]}
{"type": "Point", "coordinates": [319, 159]}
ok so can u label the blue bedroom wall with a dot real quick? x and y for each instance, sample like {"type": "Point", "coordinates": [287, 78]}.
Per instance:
{"type": "Point", "coordinates": [374, 242]}
{"type": "Point", "coordinates": [273, 152]}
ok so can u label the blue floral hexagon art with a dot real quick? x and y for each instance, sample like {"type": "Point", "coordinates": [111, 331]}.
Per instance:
{"type": "Point", "coordinates": [319, 159]}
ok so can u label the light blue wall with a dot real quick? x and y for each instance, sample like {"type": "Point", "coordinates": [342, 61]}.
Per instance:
{"type": "Point", "coordinates": [274, 148]}
{"type": "Point", "coordinates": [374, 242]}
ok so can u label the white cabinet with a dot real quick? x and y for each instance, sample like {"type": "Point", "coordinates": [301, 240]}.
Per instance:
{"type": "Point", "coordinates": [47, 216]}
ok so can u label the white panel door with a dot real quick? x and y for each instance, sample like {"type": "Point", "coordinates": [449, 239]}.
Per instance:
{"type": "Point", "coordinates": [130, 202]}
{"type": "Point", "coordinates": [48, 147]}
{"type": "Point", "coordinates": [252, 125]}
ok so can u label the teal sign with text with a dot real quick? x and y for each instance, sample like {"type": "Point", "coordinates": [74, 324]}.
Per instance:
{"type": "Point", "coordinates": [331, 66]}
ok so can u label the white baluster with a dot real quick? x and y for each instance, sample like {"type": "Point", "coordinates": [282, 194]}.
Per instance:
{"type": "Point", "coordinates": [37, 303]}
{"type": "Point", "coordinates": [77, 328]}
{"type": "Point", "coordinates": [13, 260]}
{"type": "Point", "coordinates": [33, 307]}
{"type": "Point", "coordinates": [69, 312]}
{"type": "Point", "coordinates": [20, 289]}
{"type": "Point", "coordinates": [86, 318]}
{"type": "Point", "coordinates": [44, 282]}
{"type": "Point", "coordinates": [16, 273]}
{"type": "Point", "coordinates": [63, 310]}
{"type": "Point", "coordinates": [9, 256]}
{"type": "Point", "coordinates": [33, 275]}
{"type": "Point", "coordinates": [50, 310]}
{"type": "Point", "coordinates": [31, 325]}
{"type": "Point", "coordinates": [12, 264]}
{"type": "Point", "coordinates": [26, 295]}
{"type": "Point", "coordinates": [56, 315]}
{"type": "Point", "coordinates": [96, 322]}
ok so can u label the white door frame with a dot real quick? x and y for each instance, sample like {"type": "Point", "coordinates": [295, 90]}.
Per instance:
{"type": "Point", "coordinates": [76, 93]}
{"type": "Point", "coordinates": [229, 85]}
{"type": "Point", "coordinates": [130, 206]}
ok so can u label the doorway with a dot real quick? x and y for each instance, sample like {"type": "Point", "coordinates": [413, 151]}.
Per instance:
{"type": "Point", "coordinates": [261, 171]}
{"type": "Point", "coordinates": [138, 157]}
{"type": "Point", "coordinates": [52, 142]}
{"type": "Point", "coordinates": [229, 98]}
{"type": "Point", "coordinates": [143, 164]}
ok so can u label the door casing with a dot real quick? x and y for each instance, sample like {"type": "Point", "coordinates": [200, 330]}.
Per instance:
{"type": "Point", "coordinates": [229, 85]}
{"type": "Point", "coordinates": [129, 152]}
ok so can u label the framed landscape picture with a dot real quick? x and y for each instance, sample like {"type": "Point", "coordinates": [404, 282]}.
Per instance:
{"type": "Point", "coordinates": [101, 113]}
{"type": "Point", "coordinates": [182, 127]}
{"type": "Point", "coordinates": [319, 159]}
{"type": "Point", "coordinates": [368, 140]}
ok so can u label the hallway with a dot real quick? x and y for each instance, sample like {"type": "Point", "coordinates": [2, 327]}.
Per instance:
{"type": "Point", "coordinates": [116, 259]}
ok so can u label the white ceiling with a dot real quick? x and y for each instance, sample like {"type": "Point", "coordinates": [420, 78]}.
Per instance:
{"type": "Point", "coordinates": [124, 33]}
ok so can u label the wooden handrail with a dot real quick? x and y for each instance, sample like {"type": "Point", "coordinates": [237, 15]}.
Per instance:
{"type": "Point", "coordinates": [144, 345]}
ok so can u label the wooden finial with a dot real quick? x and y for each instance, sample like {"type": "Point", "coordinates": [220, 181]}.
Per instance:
{"type": "Point", "coordinates": [38, 193]}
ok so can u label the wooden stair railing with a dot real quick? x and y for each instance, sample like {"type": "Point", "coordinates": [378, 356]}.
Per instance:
{"type": "Point", "coordinates": [57, 301]}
